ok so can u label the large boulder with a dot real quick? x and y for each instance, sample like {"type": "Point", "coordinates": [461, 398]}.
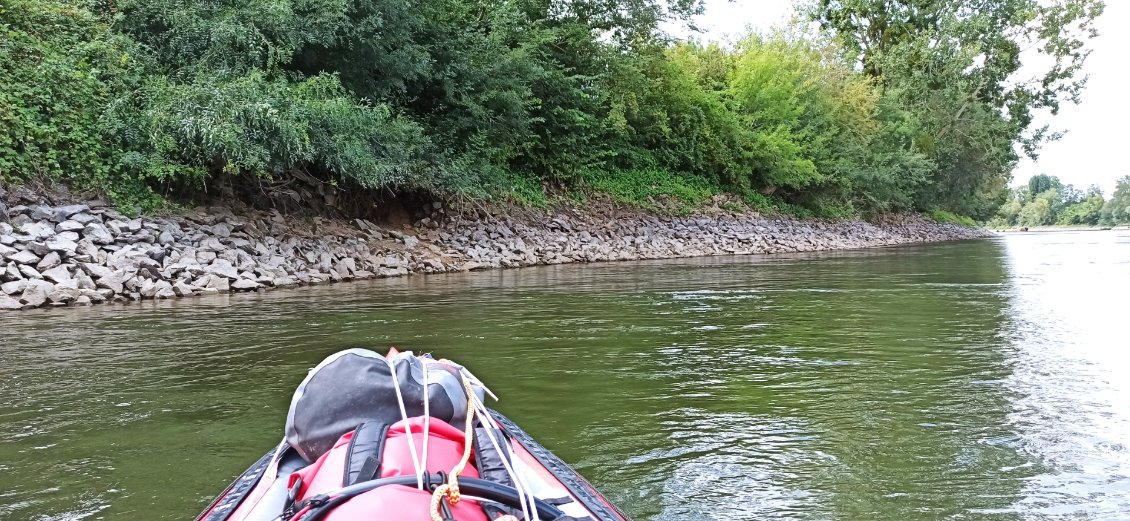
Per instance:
{"type": "Point", "coordinates": [58, 274]}
{"type": "Point", "coordinates": [9, 303]}
{"type": "Point", "coordinates": [63, 213]}
{"type": "Point", "coordinates": [97, 233]}
{"type": "Point", "coordinates": [38, 230]}
{"type": "Point", "coordinates": [223, 268]}
{"type": "Point", "coordinates": [34, 296]}
{"type": "Point", "coordinates": [49, 261]}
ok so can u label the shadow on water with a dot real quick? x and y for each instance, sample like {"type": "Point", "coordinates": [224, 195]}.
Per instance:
{"type": "Point", "coordinates": [880, 384]}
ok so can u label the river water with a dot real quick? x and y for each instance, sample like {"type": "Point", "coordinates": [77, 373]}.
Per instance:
{"type": "Point", "coordinates": [969, 380]}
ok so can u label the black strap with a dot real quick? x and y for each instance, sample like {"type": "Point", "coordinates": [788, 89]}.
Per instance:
{"type": "Point", "coordinates": [366, 449]}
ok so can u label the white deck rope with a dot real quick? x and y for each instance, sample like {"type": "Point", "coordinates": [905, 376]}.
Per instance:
{"type": "Point", "coordinates": [407, 426]}
{"type": "Point", "coordinates": [427, 415]}
{"type": "Point", "coordinates": [529, 511]}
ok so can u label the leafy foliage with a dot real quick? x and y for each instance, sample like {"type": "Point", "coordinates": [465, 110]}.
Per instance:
{"type": "Point", "coordinates": [520, 99]}
{"type": "Point", "coordinates": [1046, 201]}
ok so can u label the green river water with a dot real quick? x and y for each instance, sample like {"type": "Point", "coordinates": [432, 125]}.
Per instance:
{"type": "Point", "coordinates": [969, 380]}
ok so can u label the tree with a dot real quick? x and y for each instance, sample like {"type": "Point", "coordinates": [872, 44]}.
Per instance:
{"type": "Point", "coordinates": [1117, 209]}
{"type": "Point", "coordinates": [1041, 183]}
{"type": "Point", "coordinates": [953, 63]}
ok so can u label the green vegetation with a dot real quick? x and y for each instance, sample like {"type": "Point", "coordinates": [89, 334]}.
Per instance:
{"type": "Point", "coordinates": [943, 216]}
{"type": "Point", "coordinates": [483, 98]}
{"type": "Point", "coordinates": [1046, 201]}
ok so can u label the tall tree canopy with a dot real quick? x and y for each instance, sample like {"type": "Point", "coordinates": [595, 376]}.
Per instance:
{"type": "Point", "coordinates": [957, 65]}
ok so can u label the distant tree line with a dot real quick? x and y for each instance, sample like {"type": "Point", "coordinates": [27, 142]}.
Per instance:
{"type": "Point", "coordinates": [1046, 201]}
{"type": "Point", "coordinates": [891, 105]}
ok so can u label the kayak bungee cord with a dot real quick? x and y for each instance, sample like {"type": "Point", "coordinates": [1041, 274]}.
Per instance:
{"type": "Point", "coordinates": [315, 508]}
{"type": "Point", "coordinates": [519, 484]}
{"type": "Point", "coordinates": [407, 426]}
{"type": "Point", "coordinates": [427, 414]}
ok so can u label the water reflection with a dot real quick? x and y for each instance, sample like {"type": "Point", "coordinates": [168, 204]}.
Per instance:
{"type": "Point", "coordinates": [978, 380]}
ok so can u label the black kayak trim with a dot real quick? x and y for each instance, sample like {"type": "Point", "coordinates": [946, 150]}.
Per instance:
{"type": "Point", "coordinates": [576, 484]}
{"type": "Point", "coordinates": [224, 504]}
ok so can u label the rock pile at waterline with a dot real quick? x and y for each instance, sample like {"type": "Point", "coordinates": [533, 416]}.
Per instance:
{"type": "Point", "coordinates": [83, 254]}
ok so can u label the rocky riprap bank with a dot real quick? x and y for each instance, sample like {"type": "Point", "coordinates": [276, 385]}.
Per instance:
{"type": "Point", "coordinates": [82, 254]}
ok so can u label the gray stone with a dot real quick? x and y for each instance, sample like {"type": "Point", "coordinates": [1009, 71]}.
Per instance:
{"type": "Point", "coordinates": [20, 220]}
{"type": "Point", "coordinates": [58, 274]}
{"type": "Point", "coordinates": [157, 254]}
{"type": "Point", "coordinates": [11, 271]}
{"type": "Point", "coordinates": [95, 296]}
{"type": "Point", "coordinates": [8, 303]}
{"type": "Point", "coordinates": [245, 285]}
{"type": "Point", "coordinates": [206, 257]}
{"type": "Point", "coordinates": [38, 248]}
{"type": "Point", "coordinates": [67, 236]}
{"type": "Point", "coordinates": [148, 289]}
{"type": "Point", "coordinates": [84, 281]}
{"type": "Point", "coordinates": [11, 288]}
{"type": "Point", "coordinates": [222, 230]}
{"type": "Point", "coordinates": [392, 272]}
{"type": "Point", "coordinates": [7, 240]}
{"type": "Point", "coordinates": [183, 290]}
{"type": "Point", "coordinates": [6, 250]}
{"type": "Point", "coordinates": [38, 230]}
{"type": "Point", "coordinates": [49, 261]}
{"type": "Point", "coordinates": [219, 284]}
{"type": "Point", "coordinates": [410, 241]}
{"type": "Point", "coordinates": [211, 244]}
{"type": "Point", "coordinates": [97, 233]}
{"type": "Point", "coordinates": [62, 246]}
{"type": "Point", "coordinates": [5, 228]}
{"type": "Point", "coordinates": [69, 226]}
{"type": "Point", "coordinates": [166, 238]}
{"type": "Point", "coordinates": [83, 218]}
{"type": "Point", "coordinates": [164, 290]}
{"type": "Point", "coordinates": [34, 296]}
{"type": "Point", "coordinates": [24, 257]}
{"type": "Point", "coordinates": [62, 296]}
{"type": "Point", "coordinates": [83, 300]}
{"type": "Point", "coordinates": [114, 281]}
{"type": "Point", "coordinates": [40, 212]}
{"type": "Point", "coordinates": [134, 225]}
{"type": "Point", "coordinates": [223, 268]}
{"type": "Point", "coordinates": [96, 270]}
{"type": "Point", "coordinates": [86, 247]}
{"type": "Point", "coordinates": [62, 213]}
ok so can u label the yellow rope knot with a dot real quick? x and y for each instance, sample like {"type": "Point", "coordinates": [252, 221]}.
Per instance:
{"type": "Point", "coordinates": [450, 490]}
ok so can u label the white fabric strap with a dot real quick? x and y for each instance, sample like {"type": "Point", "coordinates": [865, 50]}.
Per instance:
{"type": "Point", "coordinates": [407, 426]}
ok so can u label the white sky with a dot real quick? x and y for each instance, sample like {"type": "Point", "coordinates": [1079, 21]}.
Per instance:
{"type": "Point", "coordinates": [1094, 148]}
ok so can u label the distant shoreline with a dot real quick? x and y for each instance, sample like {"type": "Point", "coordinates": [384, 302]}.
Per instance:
{"type": "Point", "coordinates": [1045, 229]}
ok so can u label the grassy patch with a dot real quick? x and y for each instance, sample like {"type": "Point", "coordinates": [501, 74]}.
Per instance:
{"type": "Point", "coordinates": [654, 189]}
{"type": "Point", "coordinates": [943, 216]}
{"type": "Point", "coordinates": [774, 205]}
{"type": "Point", "coordinates": [526, 191]}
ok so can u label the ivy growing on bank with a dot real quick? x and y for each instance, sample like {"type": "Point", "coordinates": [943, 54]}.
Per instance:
{"type": "Point", "coordinates": [892, 105]}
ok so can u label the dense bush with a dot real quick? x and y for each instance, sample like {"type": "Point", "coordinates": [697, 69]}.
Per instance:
{"type": "Point", "coordinates": [486, 98]}
{"type": "Point", "coordinates": [60, 67]}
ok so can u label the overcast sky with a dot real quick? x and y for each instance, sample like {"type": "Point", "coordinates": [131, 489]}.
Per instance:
{"type": "Point", "coordinates": [1096, 146]}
